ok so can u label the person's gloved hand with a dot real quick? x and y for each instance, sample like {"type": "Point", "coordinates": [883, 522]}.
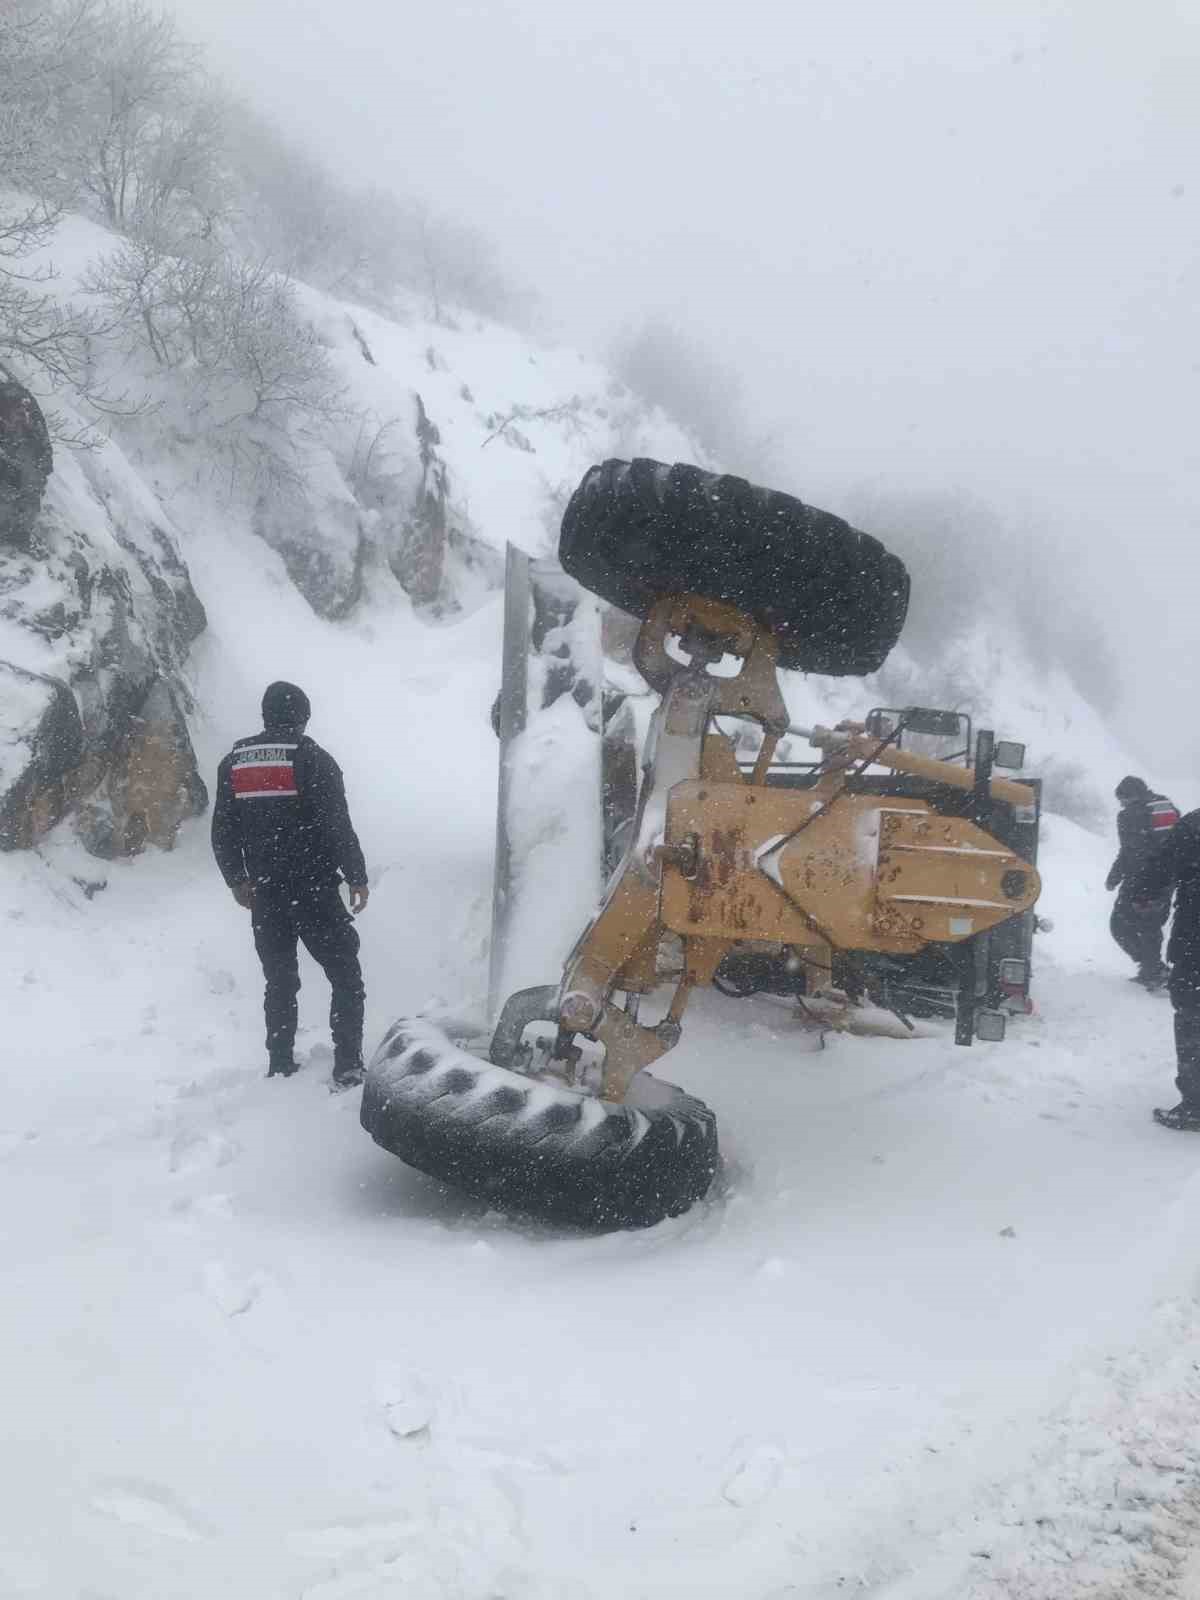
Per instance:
{"type": "Point", "coordinates": [1113, 879]}
{"type": "Point", "coordinates": [359, 895]}
{"type": "Point", "coordinates": [243, 893]}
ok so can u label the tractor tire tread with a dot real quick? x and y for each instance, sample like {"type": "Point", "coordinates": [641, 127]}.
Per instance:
{"type": "Point", "coordinates": [833, 597]}
{"type": "Point", "coordinates": [559, 1154]}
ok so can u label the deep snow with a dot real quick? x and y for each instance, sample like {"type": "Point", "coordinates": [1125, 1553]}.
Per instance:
{"type": "Point", "coordinates": [934, 1335]}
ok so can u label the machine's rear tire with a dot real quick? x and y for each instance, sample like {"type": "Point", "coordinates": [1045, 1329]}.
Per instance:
{"type": "Point", "coordinates": [834, 598]}
{"type": "Point", "coordinates": [522, 1145]}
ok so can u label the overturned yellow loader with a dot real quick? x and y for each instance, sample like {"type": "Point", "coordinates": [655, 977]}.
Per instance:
{"type": "Point", "coordinates": [720, 861]}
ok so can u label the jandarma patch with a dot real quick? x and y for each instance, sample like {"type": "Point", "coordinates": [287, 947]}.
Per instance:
{"type": "Point", "coordinates": [250, 754]}
{"type": "Point", "coordinates": [264, 772]}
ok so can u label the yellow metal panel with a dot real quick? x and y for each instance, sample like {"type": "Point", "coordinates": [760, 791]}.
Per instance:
{"type": "Point", "coordinates": [866, 873]}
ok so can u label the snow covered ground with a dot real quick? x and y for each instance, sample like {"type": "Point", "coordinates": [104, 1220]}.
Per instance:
{"type": "Point", "coordinates": [934, 1336]}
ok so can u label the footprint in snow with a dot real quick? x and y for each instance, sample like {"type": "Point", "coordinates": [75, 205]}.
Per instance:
{"type": "Point", "coordinates": [149, 1506]}
{"type": "Point", "coordinates": [402, 1574]}
{"type": "Point", "coordinates": [231, 1294]}
{"type": "Point", "coordinates": [345, 1538]}
{"type": "Point", "coordinates": [198, 1152]}
{"type": "Point", "coordinates": [219, 1080]}
{"type": "Point", "coordinates": [753, 1477]}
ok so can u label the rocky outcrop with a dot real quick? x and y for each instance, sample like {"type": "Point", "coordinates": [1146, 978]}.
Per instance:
{"type": "Point", "coordinates": [26, 460]}
{"type": "Point", "coordinates": [416, 539]}
{"type": "Point", "coordinates": [314, 523]}
{"type": "Point", "coordinates": [97, 614]}
{"type": "Point", "coordinates": [402, 484]}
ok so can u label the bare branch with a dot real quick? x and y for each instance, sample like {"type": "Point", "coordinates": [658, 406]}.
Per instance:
{"type": "Point", "coordinates": [559, 413]}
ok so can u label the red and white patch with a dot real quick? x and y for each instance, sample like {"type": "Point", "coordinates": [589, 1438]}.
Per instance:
{"type": "Point", "coordinates": [264, 772]}
{"type": "Point", "coordinates": [1163, 815]}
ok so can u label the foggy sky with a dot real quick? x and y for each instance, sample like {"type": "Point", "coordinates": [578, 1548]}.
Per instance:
{"type": "Point", "coordinates": [950, 243]}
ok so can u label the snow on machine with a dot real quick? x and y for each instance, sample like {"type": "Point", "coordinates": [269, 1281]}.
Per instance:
{"type": "Point", "coordinates": [876, 872]}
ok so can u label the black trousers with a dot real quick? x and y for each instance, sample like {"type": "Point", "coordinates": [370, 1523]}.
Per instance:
{"type": "Point", "coordinates": [1140, 933]}
{"type": "Point", "coordinates": [315, 915]}
{"type": "Point", "coordinates": [1184, 989]}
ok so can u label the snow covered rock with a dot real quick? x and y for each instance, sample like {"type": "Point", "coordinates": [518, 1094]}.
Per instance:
{"type": "Point", "coordinates": [25, 463]}
{"type": "Point", "coordinates": [97, 613]}
{"type": "Point", "coordinates": [312, 520]}
{"type": "Point", "coordinates": [414, 516]}
{"type": "Point", "coordinates": [381, 505]}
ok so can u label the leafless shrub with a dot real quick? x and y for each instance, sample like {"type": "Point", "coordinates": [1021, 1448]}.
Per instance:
{"type": "Point", "coordinates": [229, 345]}
{"type": "Point", "coordinates": [505, 427]}
{"type": "Point", "coordinates": [43, 342]}
{"type": "Point", "coordinates": [139, 132]}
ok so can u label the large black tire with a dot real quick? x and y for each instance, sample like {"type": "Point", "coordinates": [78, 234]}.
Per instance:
{"type": "Point", "coordinates": [523, 1145]}
{"type": "Point", "coordinates": [833, 597]}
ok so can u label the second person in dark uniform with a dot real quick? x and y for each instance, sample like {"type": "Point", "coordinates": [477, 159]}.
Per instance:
{"type": "Point", "coordinates": [1143, 824]}
{"type": "Point", "coordinates": [1177, 868]}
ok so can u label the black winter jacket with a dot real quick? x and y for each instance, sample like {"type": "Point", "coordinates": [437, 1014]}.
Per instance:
{"type": "Point", "coordinates": [1141, 828]}
{"type": "Point", "coordinates": [1177, 867]}
{"type": "Point", "coordinates": [280, 815]}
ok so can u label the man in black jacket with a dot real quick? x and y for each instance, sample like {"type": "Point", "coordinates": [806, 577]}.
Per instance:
{"type": "Point", "coordinates": [1177, 867]}
{"type": "Point", "coordinates": [1144, 822]}
{"type": "Point", "coordinates": [283, 839]}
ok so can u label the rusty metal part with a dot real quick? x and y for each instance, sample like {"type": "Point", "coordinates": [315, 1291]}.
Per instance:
{"type": "Point", "coordinates": [862, 747]}
{"type": "Point", "coordinates": [684, 856]}
{"type": "Point", "coordinates": [628, 1049]}
{"type": "Point", "coordinates": [577, 1011]}
{"type": "Point", "coordinates": [538, 1004]}
{"type": "Point", "coordinates": [718, 759]}
{"type": "Point", "coordinates": [752, 693]}
{"type": "Point", "coordinates": [765, 757]}
{"type": "Point", "coordinates": [869, 873]}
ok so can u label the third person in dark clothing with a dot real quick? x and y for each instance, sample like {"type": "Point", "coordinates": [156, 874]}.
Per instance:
{"type": "Point", "coordinates": [283, 839]}
{"type": "Point", "coordinates": [1177, 868]}
{"type": "Point", "coordinates": [1144, 822]}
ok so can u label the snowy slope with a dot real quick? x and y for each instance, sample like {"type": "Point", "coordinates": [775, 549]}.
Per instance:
{"type": "Point", "coordinates": [933, 1335]}
{"type": "Point", "coordinates": [930, 1336]}
{"type": "Point", "coordinates": [517, 424]}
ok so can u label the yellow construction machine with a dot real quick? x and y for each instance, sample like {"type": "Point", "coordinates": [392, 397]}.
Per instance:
{"type": "Point", "coordinates": [835, 879]}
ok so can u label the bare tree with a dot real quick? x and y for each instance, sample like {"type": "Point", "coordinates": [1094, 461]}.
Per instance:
{"type": "Point", "coordinates": [32, 56]}
{"type": "Point", "coordinates": [139, 131]}
{"type": "Point", "coordinates": [166, 294]}
{"type": "Point", "coordinates": [183, 171]}
{"type": "Point", "coordinates": [36, 332]}
{"type": "Point", "coordinates": [249, 363]}
{"type": "Point", "coordinates": [505, 427]}
{"type": "Point", "coordinates": [273, 362]}
{"type": "Point", "coordinates": [431, 262]}
{"type": "Point", "coordinates": [362, 242]}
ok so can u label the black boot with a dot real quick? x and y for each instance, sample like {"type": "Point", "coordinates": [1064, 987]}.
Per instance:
{"type": "Point", "coordinates": [348, 1072]}
{"type": "Point", "coordinates": [282, 1067]}
{"type": "Point", "coordinates": [1184, 1118]}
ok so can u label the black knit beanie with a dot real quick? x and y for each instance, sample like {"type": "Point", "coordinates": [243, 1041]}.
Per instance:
{"type": "Point", "coordinates": [1130, 788]}
{"type": "Point", "coordinates": [285, 706]}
